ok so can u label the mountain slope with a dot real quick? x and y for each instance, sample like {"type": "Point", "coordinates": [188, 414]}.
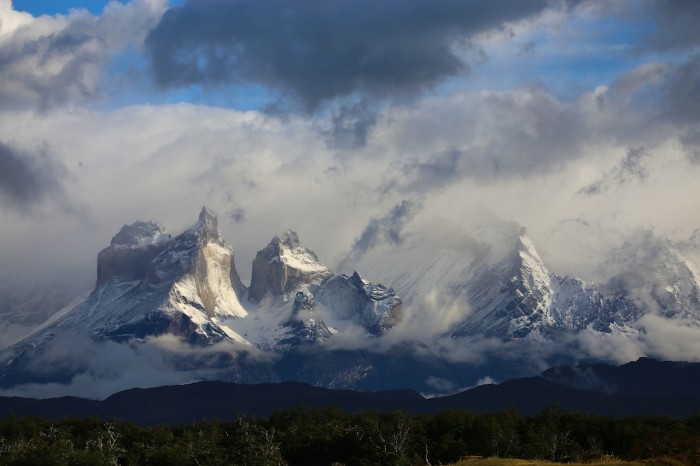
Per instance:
{"type": "Point", "coordinates": [519, 297]}
{"type": "Point", "coordinates": [467, 306]}
{"type": "Point", "coordinates": [178, 304]}
{"type": "Point", "coordinates": [658, 277]}
{"type": "Point", "coordinates": [149, 285]}
{"type": "Point", "coordinates": [496, 280]}
{"type": "Point", "coordinates": [227, 401]}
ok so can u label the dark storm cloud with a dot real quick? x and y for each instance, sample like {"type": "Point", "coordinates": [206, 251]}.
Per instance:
{"type": "Point", "coordinates": [682, 97]}
{"type": "Point", "coordinates": [662, 25]}
{"type": "Point", "coordinates": [668, 26]}
{"type": "Point", "coordinates": [676, 24]}
{"type": "Point", "coordinates": [26, 180]}
{"type": "Point", "coordinates": [313, 51]}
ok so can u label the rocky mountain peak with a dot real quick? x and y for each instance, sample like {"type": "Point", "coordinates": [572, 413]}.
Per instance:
{"type": "Point", "coordinates": [289, 240]}
{"type": "Point", "coordinates": [139, 234]}
{"type": "Point", "coordinates": [130, 252]}
{"type": "Point", "coordinates": [175, 284]}
{"type": "Point", "coordinates": [206, 230]}
{"type": "Point", "coordinates": [283, 266]}
{"type": "Point", "coordinates": [657, 274]}
{"type": "Point", "coordinates": [359, 282]}
{"type": "Point", "coordinates": [208, 216]}
{"type": "Point", "coordinates": [373, 306]}
{"type": "Point", "coordinates": [532, 269]}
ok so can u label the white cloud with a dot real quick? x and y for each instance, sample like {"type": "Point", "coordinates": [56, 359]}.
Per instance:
{"type": "Point", "coordinates": [178, 157]}
{"type": "Point", "coordinates": [671, 339]}
{"type": "Point", "coordinates": [61, 60]}
{"type": "Point", "coordinates": [11, 20]}
{"type": "Point", "coordinates": [102, 368]}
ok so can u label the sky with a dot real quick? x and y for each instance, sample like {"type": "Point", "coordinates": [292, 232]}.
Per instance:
{"type": "Point", "coordinates": [576, 119]}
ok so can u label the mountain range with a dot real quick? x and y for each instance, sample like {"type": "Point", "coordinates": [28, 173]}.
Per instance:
{"type": "Point", "coordinates": [452, 308]}
{"type": "Point", "coordinates": [667, 388]}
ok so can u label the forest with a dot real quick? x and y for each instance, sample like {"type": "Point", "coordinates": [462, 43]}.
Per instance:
{"type": "Point", "coordinates": [334, 438]}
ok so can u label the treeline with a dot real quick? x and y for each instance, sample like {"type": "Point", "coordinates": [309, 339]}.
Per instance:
{"type": "Point", "coordinates": [333, 437]}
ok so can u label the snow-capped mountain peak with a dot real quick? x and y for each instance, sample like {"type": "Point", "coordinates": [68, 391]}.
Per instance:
{"type": "Point", "coordinates": [283, 266]}
{"type": "Point", "coordinates": [140, 234]}
{"type": "Point", "coordinates": [660, 278]}
{"type": "Point", "coordinates": [206, 230]}
{"type": "Point", "coordinates": [489, 284]}
{"type": "Point", "coordinates": [289, 250]}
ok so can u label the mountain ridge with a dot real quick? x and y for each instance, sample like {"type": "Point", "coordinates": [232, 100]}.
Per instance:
{"type": "Point", "coordinates": [225, 401]}
{"type": "Point", "coordinates": [178, 303]}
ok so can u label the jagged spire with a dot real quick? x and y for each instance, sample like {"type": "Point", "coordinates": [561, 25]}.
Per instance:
{"type": "Point", "coordinates": [207, 227]}
{"type": "Point", "coordinates": [206, 215]}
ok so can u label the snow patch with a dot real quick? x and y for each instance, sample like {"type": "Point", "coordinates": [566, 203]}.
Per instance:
{"type": "Point", "coordinates": [300, 259]}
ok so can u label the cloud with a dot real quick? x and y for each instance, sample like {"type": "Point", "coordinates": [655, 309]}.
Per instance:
{"type": "Point", "coordinates": [27, 180]}
{"type": "Point", "coordinates": [437, 172]}
{"type": "Point", "coordinates": [675, 24]}
{"type": "Point", "coordinates": [236, 214]}
{"type": "Point", "coordinates": [667, 93]}
{"type": "Point", "coordinates": [97, 369]}
{"type": "Point", "coordinates": [313, 52]}
{"type": "Point", "coordinates": [433, 313]}
{"type": "Point", "coordinates": [485, 137]}
{"type": "Point", "coordinates": [351, 125]}
{"type": "Point", "coordinates": [383, 230]}
{"type": "Point", "coordinates": [683, 92]}
{"type": "Point", "coordinates": [661, 26]}
{"type": "Point", "coordinates": [628, 85]}
{"type": "Point", "coordinates": [630, 168]}
{"type": "Point", "coordinates": [617, 348]}
{"type": "Point", "coordinates": [51, 61]}
{"type": "Point", "coordinates": [690, 140]}
{"type": "Point", "coordinates": [11, 19]}
{"type": "Point", "coordinates": [670, 339]}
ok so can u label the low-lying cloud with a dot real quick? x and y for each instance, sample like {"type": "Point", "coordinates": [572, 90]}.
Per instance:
{"type": "Point", "coordinates": [99, 369]}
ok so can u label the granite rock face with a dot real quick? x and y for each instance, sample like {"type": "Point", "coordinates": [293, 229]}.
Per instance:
{"type": "Point", "coordinates": [131, 251]}
{"type": "Point", "coordinates": [284, 266]}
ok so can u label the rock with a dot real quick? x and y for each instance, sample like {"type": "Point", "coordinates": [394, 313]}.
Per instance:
{"type": "Point", "coordinates": [283, 266]}
{"type": "Point", "coordinates": [374, 307]}
{"type": "Point", "coordinates": [131, 251]}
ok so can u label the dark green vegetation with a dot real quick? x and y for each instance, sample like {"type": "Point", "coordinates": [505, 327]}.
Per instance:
{"type": "Point", "coordinates": [331, 436]}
